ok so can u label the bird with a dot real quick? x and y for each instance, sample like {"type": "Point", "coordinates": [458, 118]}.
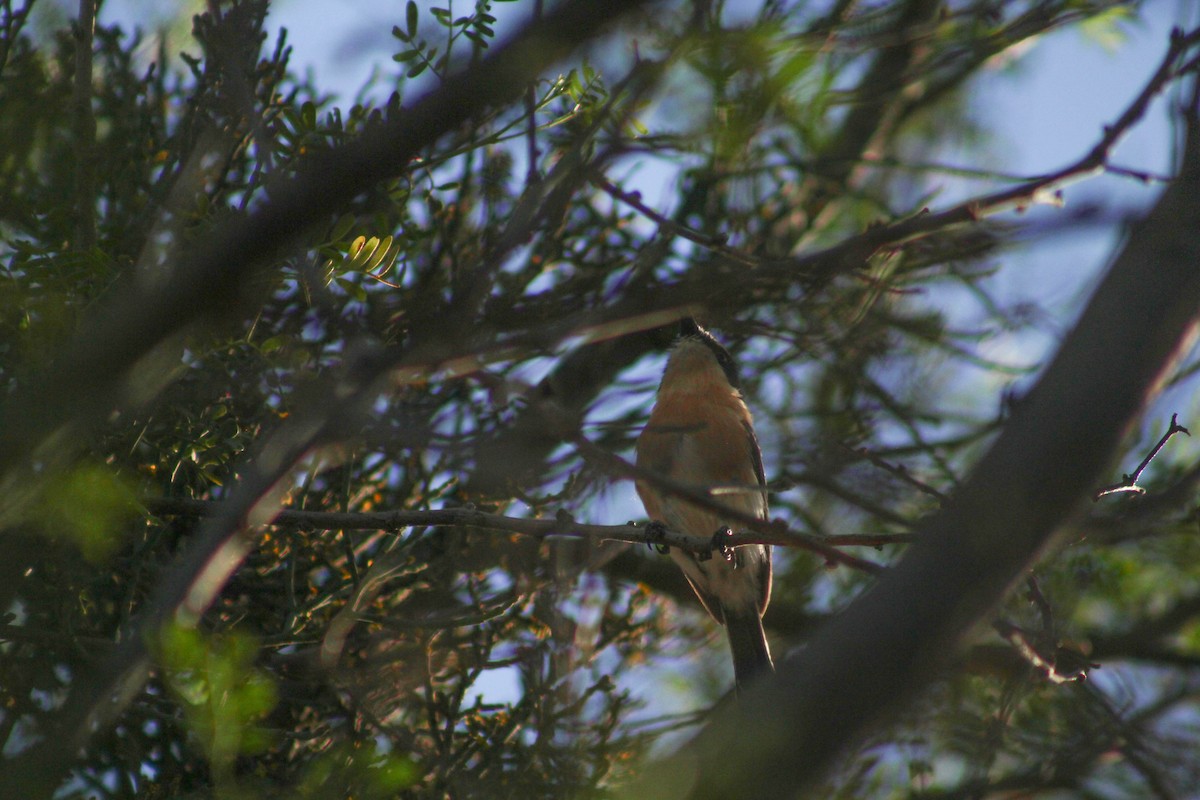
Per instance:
{"type": "Point", "coordinates": [701, 434]}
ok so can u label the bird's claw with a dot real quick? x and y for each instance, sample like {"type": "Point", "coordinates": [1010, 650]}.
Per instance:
{"type": "Point", "coordinates": [720, 544]}
{"type": "Point", "coordinates": [655, 530]}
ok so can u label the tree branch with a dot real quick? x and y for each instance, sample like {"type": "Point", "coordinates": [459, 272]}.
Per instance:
{"type": "Point", "coordinates": [766, 531]}
{"type": "Point", "coordinates": [212, 279]}
{"type": "Point", "coordinates": [84, 129]}
{"type": "Point", "coordinates": [562, 525]}
{"type": "Point", "coordinates": [885, 647]}
{"type": "Point", "coordinates": [1129, 482]}
{"type": "Point", "coordinates": [85, 377]}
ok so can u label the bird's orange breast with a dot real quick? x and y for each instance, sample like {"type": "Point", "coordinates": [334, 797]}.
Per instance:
{"type": "Point", "coordinates": [700, 436]}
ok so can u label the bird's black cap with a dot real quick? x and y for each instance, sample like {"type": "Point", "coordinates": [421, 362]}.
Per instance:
{"type": "Point", "coordinates": [690, 329]}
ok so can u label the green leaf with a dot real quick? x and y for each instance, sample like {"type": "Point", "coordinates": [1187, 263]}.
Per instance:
{"type": "Point", "coordinates": [410, 18]}
{"type": "Point", "coordinates": [1109, 29]}
{"type": "Point", "coordinates": [381, 249]}
{"type": "Point", "coordinates": [360, 250]}
{"type": "Point", "coordinates": [222, 693]}
{"type": "Point", "coordinates": [88, 504]}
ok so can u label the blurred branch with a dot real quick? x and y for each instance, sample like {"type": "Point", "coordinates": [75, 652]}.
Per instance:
{"type": "Point", "coordinates": [84, 129]}
{"type": "Point", "coordinates": [212, 279]}
{"type": "Point", "coordinates": [1040, 649]}
{"type": "Point", "coordinates": [12, 20]}
{"type": "Point", "coordinates": [716, 243]}
{"type": "Point", "coordinates": [899, 471]}
{"type": "Point", "coordinates": [82, 381]}
{"type": "Point", "coordinates": [1130, 733]}
{"type": "Point", "coordinates": [524, 446]}
{"type": "Point", "coordinates": [879, 96]}
{"type": "Point", "coordinates": [1145, 636]}
{"type": "Point", "coordinates": [1105, 731]}
{"type": "Point", "coordinates": [817, 267]}
{"type": "Point", "coordinates": [890, 643]}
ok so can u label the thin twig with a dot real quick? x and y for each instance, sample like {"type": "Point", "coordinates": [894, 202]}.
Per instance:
{"type": "Point", "coordinates": [132, 325]}
{"type": "Point", "coordinates": [1128, 483]}
{"type": "Point", "coordinates": [1041, 650]}
{"type": "Point", "coordinates": [715, 243]}
{"type": "Point", "coordinates": [563, 525]}
{"type": "Point", "coordinates": [900, 471]}
{"type": "Point", "coordinates": [774, 532]}
{"type": "Point", "coordinates": [975, 209]}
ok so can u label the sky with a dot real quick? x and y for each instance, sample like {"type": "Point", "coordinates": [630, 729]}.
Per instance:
{"type": "Point", "coordinates": [1044, 112]}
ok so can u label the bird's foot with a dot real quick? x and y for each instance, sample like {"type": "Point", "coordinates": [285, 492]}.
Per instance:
{"type": "Point", "coordinates": [656, 532]}
{"type": "Point", "coordinates": [720, 544]}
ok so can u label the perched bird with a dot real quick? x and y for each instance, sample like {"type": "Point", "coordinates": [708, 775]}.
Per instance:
{"type": "Point", "coordinates": [701, 434]}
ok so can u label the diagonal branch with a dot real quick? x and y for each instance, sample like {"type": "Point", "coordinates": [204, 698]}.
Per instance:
{"type": "Point", "coordinates": [819, 265]}
{"type": "Point", "coordinates": [218, 272]}
{"type": "Point", "coordinates": [889, 644]}
{"type": "Point", "coordinates": [84, 380]}
{"type": "Point", "coordinates": [1129, 482]}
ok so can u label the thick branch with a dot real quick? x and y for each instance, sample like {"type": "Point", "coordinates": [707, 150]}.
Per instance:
{"type": "Point", "coordinates": [889, 644]}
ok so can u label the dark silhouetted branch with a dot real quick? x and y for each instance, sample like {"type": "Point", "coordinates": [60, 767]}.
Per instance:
{"type": "Point", "coordinates": [862, 667]}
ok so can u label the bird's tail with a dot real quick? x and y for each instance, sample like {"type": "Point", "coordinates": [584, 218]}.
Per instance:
{"type": "Point", "coordinates": [751, 656]}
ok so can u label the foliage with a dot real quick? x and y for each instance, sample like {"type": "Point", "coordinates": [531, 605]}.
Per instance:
{"type": "Point", "coordinates": [534, 252]}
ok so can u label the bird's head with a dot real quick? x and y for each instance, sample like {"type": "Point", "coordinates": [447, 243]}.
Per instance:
{"type": "Point", "coordinates": [699, 362]}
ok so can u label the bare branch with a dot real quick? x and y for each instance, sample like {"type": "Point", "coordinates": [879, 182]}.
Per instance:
{"type": "Point", "coordinates": [1129, 482]}
{"type": "Point", "coordinates": [1031, 192]}
{"type": "Point", "coordinates": [562, 525]}
{"type": "Point", "coordinates": [899, 471]}
{"type": "Point", "coordinates": [716, 244]}
{"type": "Point", "coordinates": [887, 645]}
{"type": "Point", "coordinates": [770, 531]}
